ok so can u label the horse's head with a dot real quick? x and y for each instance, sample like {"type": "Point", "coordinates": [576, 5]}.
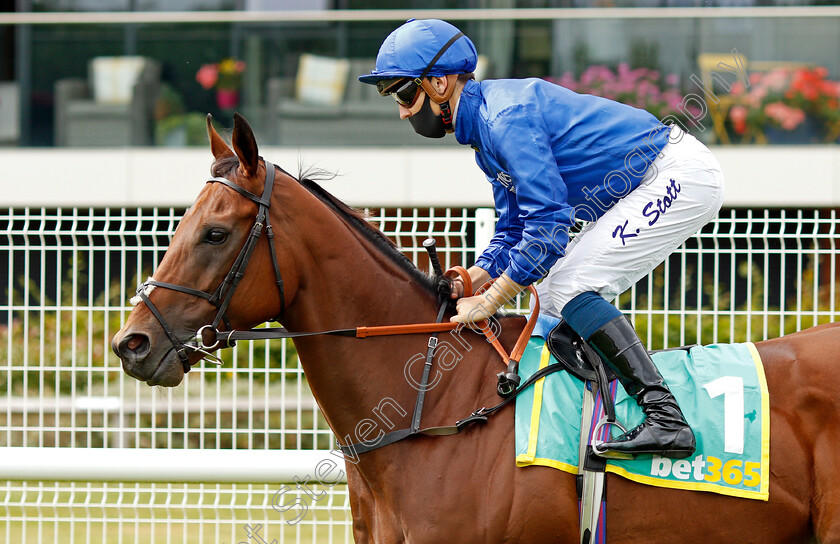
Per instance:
{"type": "Point", "coordinates": [198, 281]}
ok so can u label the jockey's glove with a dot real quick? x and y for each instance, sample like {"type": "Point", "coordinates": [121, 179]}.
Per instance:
{"type": "Point", "coordinates": [473, 310]}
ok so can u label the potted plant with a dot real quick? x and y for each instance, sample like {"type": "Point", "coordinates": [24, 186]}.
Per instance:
{"type": "Point", "coordinates": [819, 96]}
{"type": "Point", "coordinates": [226, 78]}
{"type": "Point", "coordinates": [786, 105]}
{"type": "Point", "coordinates": [641, 88]}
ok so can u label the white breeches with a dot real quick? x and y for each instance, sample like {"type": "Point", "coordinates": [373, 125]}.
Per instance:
{"type": "Point", "coordinates": [681, 192]}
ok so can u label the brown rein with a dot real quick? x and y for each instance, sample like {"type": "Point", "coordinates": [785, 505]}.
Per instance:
{"type": "Point", "coordinates": [508, 381]}
{"type": "Point", "coordinates": [209, 338]}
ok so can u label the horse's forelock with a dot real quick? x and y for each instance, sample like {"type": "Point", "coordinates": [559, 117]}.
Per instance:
{"type": "Point", "coordinates": [229, 168]}
{"type": "Point", "coordinates": [224, 167]}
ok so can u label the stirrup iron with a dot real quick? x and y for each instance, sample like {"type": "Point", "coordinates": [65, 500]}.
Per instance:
{"type": "Point", "coordinates": [597, 445]}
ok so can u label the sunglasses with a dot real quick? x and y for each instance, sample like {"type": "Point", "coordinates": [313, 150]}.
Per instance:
{"type": "Point", "coordinates": [405, 90]}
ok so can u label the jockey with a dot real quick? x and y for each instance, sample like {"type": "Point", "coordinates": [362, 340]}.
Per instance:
{"type": "Point", "coordinates": [554, 157]}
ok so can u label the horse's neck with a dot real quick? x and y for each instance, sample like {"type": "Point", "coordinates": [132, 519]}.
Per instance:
{"type": "Point", "coordinates": [346, 282]}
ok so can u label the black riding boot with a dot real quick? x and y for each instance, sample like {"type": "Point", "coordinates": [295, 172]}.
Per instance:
{"type": "Point", "coordinates": [665, 431]}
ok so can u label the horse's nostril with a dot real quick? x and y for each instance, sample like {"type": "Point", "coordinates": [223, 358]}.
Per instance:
{"type": "Point", "coordinates": [135, 346]}
{"type": "Point", "coordinates": [134, 342]}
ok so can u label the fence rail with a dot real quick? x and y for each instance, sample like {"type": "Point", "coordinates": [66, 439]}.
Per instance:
{"type": "Point", "coordinates": [68, 408]}
{"type": "Point", "coordinates": [177, 466]}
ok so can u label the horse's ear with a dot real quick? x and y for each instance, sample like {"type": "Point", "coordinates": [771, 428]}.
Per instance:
{"type": "Point", "coordinates": [217, 145]}
{"type": "Point", "coordinates": [245, 145]}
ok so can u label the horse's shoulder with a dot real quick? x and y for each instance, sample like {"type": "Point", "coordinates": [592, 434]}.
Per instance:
{"type": "Point", "coordinates": [511, 326]}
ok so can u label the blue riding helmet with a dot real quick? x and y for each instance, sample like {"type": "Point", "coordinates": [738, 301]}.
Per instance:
{"type": "Point", "coordinates": [408, 50]}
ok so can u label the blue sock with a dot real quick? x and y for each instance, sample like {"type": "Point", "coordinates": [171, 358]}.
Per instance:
{"type": "Point", "coordinates": [588, 312]}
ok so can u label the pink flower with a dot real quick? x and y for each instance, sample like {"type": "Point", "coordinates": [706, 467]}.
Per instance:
{"type": "Point", "coordinates": [738, 114]}
{"type": "Point", "coordinates": [789, 118]}
{"type": "Point", "coordinates": [596, 75]}
{"type": "Point", "coordinates": [756, 96]}
{"type": "Point", "coordinates": [642, 88]}
{"type": "Point", "coordinates": [777, 80]}
{"type": "Point", "coordinates": [646, 88]}
{"type": "Point", "coordinates": [567, 80]}
{"type": "Point", "coordinates": [207, 76]}
{"type": "Point", "coordinates": [673, 99]}
{"type": "Point", "coordinates": [623, 69]}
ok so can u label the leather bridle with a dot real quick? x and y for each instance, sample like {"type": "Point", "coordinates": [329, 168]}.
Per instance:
{"type": "Point", "coordinates": [221, 297]}
{"type": "Point", "coordinates": [208, 337]}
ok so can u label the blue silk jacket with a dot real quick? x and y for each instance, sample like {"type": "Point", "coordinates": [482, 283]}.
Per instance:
{"type": "Point", "coordinates": [552, 156]}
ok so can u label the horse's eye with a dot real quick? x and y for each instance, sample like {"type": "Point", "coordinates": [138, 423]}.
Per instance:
{"type": "Point", "coordinates": [216, 236]}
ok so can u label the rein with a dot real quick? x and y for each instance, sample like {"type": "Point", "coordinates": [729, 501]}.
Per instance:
{"type": "Point", "coordinates": [208, 337]}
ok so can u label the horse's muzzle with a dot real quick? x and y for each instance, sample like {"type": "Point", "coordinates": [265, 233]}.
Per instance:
{"type": "Point", "coordinates": [133, 349]}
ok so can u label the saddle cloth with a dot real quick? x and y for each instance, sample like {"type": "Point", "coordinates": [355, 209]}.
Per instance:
{"type": "Point", "coordinates": [722, 391]}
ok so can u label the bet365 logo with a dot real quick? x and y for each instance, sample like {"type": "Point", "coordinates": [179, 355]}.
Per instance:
{"type": "Point", "coordinates": [708, 469]}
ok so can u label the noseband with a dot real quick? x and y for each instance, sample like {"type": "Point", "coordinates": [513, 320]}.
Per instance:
{"type": "Point", "coordinates": [221, 297]}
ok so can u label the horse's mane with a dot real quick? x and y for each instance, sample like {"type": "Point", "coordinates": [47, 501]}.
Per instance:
{"type": "Point", "coordinates": [370, 233]}
{"type": "Point", "coordinates": [352, 217]}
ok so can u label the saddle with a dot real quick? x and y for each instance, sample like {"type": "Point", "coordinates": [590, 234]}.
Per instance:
{"type": "Point", "coordinates": [578, 358]}
{"type": "Point", "coordinates": [575, 354]}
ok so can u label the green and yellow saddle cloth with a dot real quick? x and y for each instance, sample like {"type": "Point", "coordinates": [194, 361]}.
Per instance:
{"type": "Point", "coordinates": [722, 392]}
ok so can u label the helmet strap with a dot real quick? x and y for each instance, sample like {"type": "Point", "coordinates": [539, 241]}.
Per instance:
{"type": "Point", "coordinates": [446, 116]}
{"type": "Point", "coordinates": [441, 99]}
{"type": "Point", "coordinates": [430, 90]}
{"type": "Point", "coordinates": [427, 85]}
{"type": "Point", "coordinates": [439, 54]}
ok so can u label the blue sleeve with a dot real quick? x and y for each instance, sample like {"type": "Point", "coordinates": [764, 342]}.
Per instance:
{"type": "Point", "coordinates": [496, 257]}
{"type": "Point", "coordinates": [523, 146]}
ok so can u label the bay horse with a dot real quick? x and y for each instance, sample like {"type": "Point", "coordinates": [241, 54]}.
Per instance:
{"type": "Point", "coordinates": [334, 270]}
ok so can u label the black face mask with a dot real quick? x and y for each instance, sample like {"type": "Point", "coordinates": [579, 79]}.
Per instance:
{"type": "Point", "coordinates": [426, 123]}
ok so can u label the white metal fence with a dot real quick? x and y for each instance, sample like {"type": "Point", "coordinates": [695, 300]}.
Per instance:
{"type": "Point", "coordinates": [67, 275]}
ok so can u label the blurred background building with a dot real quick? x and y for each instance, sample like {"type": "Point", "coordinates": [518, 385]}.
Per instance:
{"type": "Point", "coordinates": [292, 65]}
{"type": "Point", "coordinates": [141, 75]}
